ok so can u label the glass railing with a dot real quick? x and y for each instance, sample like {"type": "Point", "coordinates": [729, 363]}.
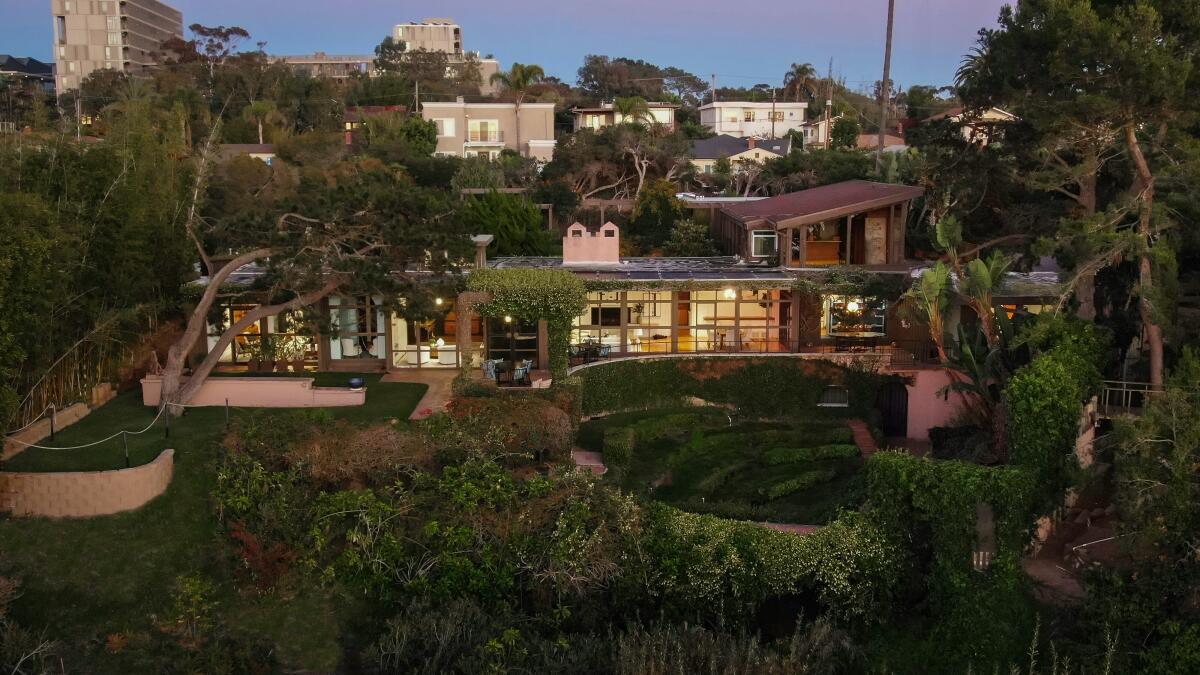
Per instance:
{"type": "Point", "coordinates": [485, 136]}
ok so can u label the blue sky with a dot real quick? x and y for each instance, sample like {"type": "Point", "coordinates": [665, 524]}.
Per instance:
{"type": "Point", "coordinates": [742, 43]}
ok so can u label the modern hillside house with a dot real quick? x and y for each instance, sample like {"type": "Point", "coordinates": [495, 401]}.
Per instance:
{"type": "Point", "coordinates": [745, 118]}
{"type": "Point", "coordinates": [607, 115]}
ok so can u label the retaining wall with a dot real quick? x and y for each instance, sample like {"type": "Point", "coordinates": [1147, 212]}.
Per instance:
{"type": "Point", "coordinates": [41, 429]}
{"type": "Point", "coordinates": [79, 494]}
{"type": "Point", "coordinates": [260, 392]}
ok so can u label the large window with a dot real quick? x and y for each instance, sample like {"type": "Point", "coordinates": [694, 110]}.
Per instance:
{"type": "Point", "coordinates": [358, 328]}
{"type": "Point", "coordinates": [510, 339]}
{"type": "Point", "coordinates": [763, 243]}
{"type": "Point", "coordinates": [852, 315]}
{"type": "Point", "coordinates": [748, 116]}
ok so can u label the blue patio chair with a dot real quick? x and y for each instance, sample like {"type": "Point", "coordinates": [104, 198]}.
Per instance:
{"type": "Point", "coordinates": [489, 368]}
{"type": "Point", "coordinates": [603, 350]}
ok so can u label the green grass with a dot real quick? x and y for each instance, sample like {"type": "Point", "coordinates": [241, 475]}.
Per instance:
{"type": "Point", "coordinates": [727, 470]}
{"type": "Point", "coordinates": [85, 578]}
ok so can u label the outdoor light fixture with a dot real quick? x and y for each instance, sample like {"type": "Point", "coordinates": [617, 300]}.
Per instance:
{"type": "Point", "coordinates": [440, 343]}
{"type": "Point", "coordinates": [730, 294]}
{"type": "Point", "coordinates": [507, 319]}
{"type": "Point", "coordinates": [437, 301]}
{"type": "Point", "coordinates": [853, 306]}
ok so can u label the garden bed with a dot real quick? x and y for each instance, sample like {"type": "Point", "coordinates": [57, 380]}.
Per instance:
{"type": "Point", "coordinates": [705, 461]}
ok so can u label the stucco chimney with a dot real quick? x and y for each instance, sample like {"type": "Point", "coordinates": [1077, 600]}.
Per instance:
{"type": "Point", "coordinates": [582, 246]}
{"type": "Point", "coordinates": [753, 142]}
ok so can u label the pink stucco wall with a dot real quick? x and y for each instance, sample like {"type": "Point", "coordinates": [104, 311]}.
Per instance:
{"type": "Point", "coordinates": [927, 408]}
{"type": "Point", "coordinates": [260, 392]}
{"type": "Point", "coordinates": [581, 245]}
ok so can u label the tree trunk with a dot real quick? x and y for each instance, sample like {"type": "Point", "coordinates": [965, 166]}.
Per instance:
{"type": "Point", "coordinates": [186, 392]}
{"type": "Point", "coordinates": [1085, 290]}
{"type": "Point", "coordinates": [1144, 185]}
{"type": "Point", "coordinates": [260, 135]}
{"type": "Point", "coordinates": [517, 123]}
{"type": "Point", "coordinates": [197, 322]}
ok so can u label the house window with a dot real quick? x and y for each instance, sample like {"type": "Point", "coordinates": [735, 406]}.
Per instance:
{"type": "Point", "coordinates": [748, 116]}
{"type": "Point", "coordinates": [763, 243]}
{"type": "Point", "coordinates": [854, 315]}
{"type": "Point", "coordinates": [445, 127]}
{"type": "Point", "coordinates": [60, 27]}
{"type": "Point", "coordinates": [114, 38]}
{"type": "Point", "coordinates": [834, 397]}
{"type": "Point", "coordinates": [358, 328]}
{"type": "Point", "coordinates": [777, 115]}
{"type": "Point", "coordinates": [114, 23]}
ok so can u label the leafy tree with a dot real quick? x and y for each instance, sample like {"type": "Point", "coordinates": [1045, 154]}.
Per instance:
{"type": "Point", "coordinates": [655, 214]}
{"type": "Point", "coordinates": [516, 222]}
{"type": "Point", "coordinates": [398, 138]}
{"type": "Point", "coordinates": [845, 133]}
{"type": "Point", "coordinates": [689, 238]}
{"type": "Point", "coordinates": [928, 300]}
{"type": "Point", "coordinates": [477, 173]}
{"type": "Point", "coordinates": [633, 109]}
{"type": "Point", "coordinates": [262, 112]}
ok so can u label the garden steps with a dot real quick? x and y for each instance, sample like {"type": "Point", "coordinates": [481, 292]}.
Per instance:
{"type": "Point", "coordinates": [863, 438]}
{"type": "Point", "coordinates": [592, 461]}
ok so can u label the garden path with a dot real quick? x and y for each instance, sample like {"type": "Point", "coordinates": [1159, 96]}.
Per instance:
{"type": "Point", "coordinates": [436, 397]}
{"type": "Point", "coordinates": [863, 438]}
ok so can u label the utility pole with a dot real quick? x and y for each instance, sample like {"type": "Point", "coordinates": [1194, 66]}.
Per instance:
{"type": "Point", "coordinates": [417, 104]}
{"type": "Point", "coordinates": [772, 113]}
{"type": "Point", "coordinates": [885, 87]}
{"type": "Point", "coordinates": [714, 87]}
{"type": "Point", "coordinates": [829, 110]}
{"type": "Point", "coordinates": [78, 115]}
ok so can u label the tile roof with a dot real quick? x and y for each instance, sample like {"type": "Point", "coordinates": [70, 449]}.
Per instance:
{"type": "Point", "coordinates": [728, 146]}
{"type": "Point", "coordinates": [822, 203]}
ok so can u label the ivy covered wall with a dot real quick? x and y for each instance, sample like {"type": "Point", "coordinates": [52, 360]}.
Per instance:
{"type": "Point", "coordinates": [757, 386]}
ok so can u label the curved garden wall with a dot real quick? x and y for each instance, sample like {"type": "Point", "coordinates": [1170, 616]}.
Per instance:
{"type": "Point", "coordinates": [765, 386]}
{"type": "Point", "coordinates": [78, 494]}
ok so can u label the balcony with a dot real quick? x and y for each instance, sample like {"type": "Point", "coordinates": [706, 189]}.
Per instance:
{"type": "Point", "coordinates": [485, 137]}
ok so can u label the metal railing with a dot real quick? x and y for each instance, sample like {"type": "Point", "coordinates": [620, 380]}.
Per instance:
{"type": "Point", "coordinates": [1125, 398]}
{"type": "Point", "coordinates": [485, 136]}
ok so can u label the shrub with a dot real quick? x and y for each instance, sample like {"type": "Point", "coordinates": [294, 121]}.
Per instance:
{"type": "Point", "coordinates": [804, 455]}
{"type": "Point", "coordinates": [467, 386]}
{"type": "Point", "coordinates": [344, 455]}
{"type": "Point", "coordinates": [528, 424]}
{"type": "Point", "coordinates": [801, 482]}
{"type": "Point", "coordinates": [618, 447]}
{"type": "Point", "coordinates": [970, 444]}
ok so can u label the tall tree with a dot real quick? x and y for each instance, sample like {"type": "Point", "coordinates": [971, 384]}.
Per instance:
{"type": "Point", "coordinates": [517, 82]}
{"type": "Point", "coordinates": [800, 81]}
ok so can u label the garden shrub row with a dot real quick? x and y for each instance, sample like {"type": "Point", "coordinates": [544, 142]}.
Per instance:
{"type": "Point", "coordinates": [815, 454]}
{"type": "Point", "coordinates": [758, 387]}
{"type": "Point", "coordinates": [618, 447]}
{"type": "Point", "coordinates": [804, 481]}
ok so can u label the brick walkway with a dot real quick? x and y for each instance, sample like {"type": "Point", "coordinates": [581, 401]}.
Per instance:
{"type": "Point", "coordinates": [592, 461]}
{"type": "Point", "coordinates": [436, 396]}
{"type": "Point", "coordinates": [863, 438]}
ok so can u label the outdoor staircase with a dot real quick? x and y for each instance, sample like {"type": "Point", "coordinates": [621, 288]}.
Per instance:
{"type": "Point", "coordinates": [863, 438]}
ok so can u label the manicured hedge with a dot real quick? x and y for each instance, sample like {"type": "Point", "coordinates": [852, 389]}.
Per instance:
{"type": "Point", "coordinates": [802, 482]}
{"type": "Point", "coordinates": [756, 386]}
{"type": "Point", "coordinates": [819, 453]}
{"type": "Point", "coordinates": [618, 447]}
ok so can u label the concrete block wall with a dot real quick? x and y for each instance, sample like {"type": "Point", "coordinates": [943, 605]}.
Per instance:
{"type": "Point", "coordinates": [81, 494]}
{"type": "Point", "coordinates": [260, 392]}
{"type": "Point", "coordinates": [40, 429]}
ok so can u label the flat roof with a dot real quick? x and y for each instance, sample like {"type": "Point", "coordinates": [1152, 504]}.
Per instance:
{"type": "Point", "coordinates": [822, 203]}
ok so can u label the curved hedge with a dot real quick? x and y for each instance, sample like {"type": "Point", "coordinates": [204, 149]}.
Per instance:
{"type": "Point", "coordinates": [758, 386]}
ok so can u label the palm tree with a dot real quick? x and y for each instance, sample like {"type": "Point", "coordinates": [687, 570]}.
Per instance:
{"type": "Point", "coordinates": [799, 80]}
{"type": "Point", "coordinates": [981, 280]}
{"type": "Point", "coordinates": [517, 82]}
{"type": "Point", "coordinates": [261, 112]}
{"type": "Point", "coordinates": [633, 109]}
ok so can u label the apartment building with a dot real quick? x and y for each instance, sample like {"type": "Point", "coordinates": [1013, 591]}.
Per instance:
{"type": "Point", "coordinates": [446, 36]}
{"type": "Point", "coordinates": [335, 66]}
{"type": "Point", "coordinates": [485, 129]}
{"type": "Point", "coordinates": [124, 35]}
{"type": "Point", "coordinates": [744, 118]}
{"type": "Point", "coordinates": [27, 70]}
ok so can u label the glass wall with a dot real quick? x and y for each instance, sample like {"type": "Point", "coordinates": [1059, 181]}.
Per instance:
{"type": "Point", "coordinates": [433, 343]}
{"type": "Point", "coordinates": [510, 339]}
{"type": "Point", "coordinates": [853, 315]}
{"type": "Point", "coordinates": [246, 344]}
{"type": "Point", "coordinates": [649, 322]}
{"type": "Point", "coordinates": [358, 328]}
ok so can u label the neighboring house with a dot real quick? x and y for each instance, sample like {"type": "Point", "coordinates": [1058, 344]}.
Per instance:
{"type": "Point", "coordinates": [816, 132]}
{"type": "Point", "coordinates": [852, 223]}
{"type": "Point", "coordinates": [265, 152]}
{"type": "Point", "coordinates": [706, 151]}
{"type": "Point", "coordinates": [606, 115]}
{"type": "Point", "coordinates": [484, 129]}
{"type": "Point", "coordinates": [977, 127]}
{"type": "Point", "coordinates": [891, 142]}
{"type": "Point", "coordinates": [27, 69]}
{"type": "Point", "coordinates": [333, 66]}
{"type": "Point", "coordinates": [124, 35]}
{"type": "Point", "coordinates": [744, 119]}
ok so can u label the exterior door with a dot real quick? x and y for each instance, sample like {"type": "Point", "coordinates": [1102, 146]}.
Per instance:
{"type": "Point", "coordinates": [892, 403]}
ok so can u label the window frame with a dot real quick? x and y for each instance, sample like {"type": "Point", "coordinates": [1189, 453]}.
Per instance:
{"type": "Point", "coordinates": [758, 235]}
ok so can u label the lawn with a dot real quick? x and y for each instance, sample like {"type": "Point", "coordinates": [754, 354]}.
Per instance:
{"type": "Point", "coordinates": [702, 460]}
{"type": "Point", "coordinates": [112, 574]}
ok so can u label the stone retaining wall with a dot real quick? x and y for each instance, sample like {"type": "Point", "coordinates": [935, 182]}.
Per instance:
{"type": "Point", "coordinates": [41, 429]}
{"type": "Point", "coordinates": [80, 494]}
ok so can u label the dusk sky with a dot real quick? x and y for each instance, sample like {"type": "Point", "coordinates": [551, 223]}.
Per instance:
{"type": "Point", "coordinates": [742, 43]}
